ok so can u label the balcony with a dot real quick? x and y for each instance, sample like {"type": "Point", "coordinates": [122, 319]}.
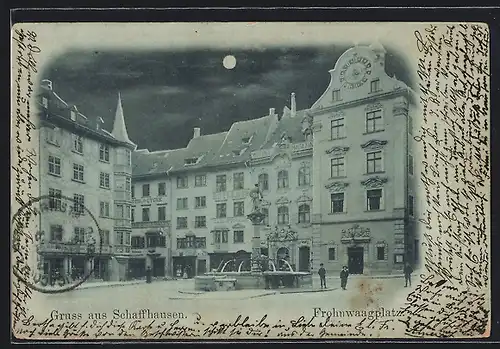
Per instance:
{"type": "Point", "coordinates": [151, 224]}
{"type": "Point", "coordinates": [122, 223]}
{"type": "Point", "coordinates": [121, 249]}
{"type": "Point", "coordinates": [303, 146]}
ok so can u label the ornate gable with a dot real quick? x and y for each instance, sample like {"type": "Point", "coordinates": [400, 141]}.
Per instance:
{"type": "Point", "coordinates": [337, 150]}
{"type": "Point", "coordinates": [374, 182]}
{"type": "Point", "coordinates": [336, 186]}
{"type": "Point", "coordinates": [373, 144]}
{"type": "Point", "coordinates": [282, 201]}
{"type": "Point", "coordinates": [373, 106]}
{"type": "Point", "coordinates": [304, 198]}
{"type": "Point", "coordinates": [238, 226]}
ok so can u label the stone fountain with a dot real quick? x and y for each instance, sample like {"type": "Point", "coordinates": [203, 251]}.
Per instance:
{"type": "Point", "coordinates": [258, 272]}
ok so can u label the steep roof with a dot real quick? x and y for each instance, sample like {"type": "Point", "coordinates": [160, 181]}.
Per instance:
{"type": "Point", "coordinates": [289, 126]}
{"type": "Point", "coordinates": [119, 128]}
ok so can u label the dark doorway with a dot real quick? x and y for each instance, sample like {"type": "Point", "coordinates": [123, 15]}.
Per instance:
{"type": "Point", "coordinates": [201, 267]}
{"type": "Point", "coordinates": [184, 265]}
{"type": "Point", "coordinates": [282, 255]}
{"type": "Point", "coordinates": [159, 266]}
{"type": "Point", "coordinates": [355, 264]}
{"type": "Point", "coordinates": [304, 258]}
{"type": "Point", "coordinates": [137, 268]}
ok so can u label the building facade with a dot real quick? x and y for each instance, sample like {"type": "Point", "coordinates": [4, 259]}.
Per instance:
{"type": "Point", "coordinates": [336, 179]}
{"type": "Point", "coordinates": [85, 176]}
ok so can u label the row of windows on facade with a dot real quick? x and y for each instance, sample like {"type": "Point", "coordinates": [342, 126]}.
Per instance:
{"type": "Point", "coordinates": [148, 241]}
{"type": "Point", "coordinates": [374, 164]}
{"type": "Point", "coordinates": [381, 253]}
{"type": "Point", "coordinates": [54, 135]}
{"type": "Point", "coordinates": [374, 202]}
{"type": "Point", "coordinates": [304, 178]}
{"type": "Point", "coordinates": [374, 122]}
{"type": "Point", "coordinates": [374, 87]}
{"type": "Point", "coordinates": [56, 203]}
{"type": "Point", "coordinates": [55, 169]}
{"type": "Point", "coordinates": [81, 236]}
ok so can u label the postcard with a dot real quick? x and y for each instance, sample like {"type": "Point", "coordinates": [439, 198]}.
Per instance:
{"type": "Point", "coordinates": [223, 181]}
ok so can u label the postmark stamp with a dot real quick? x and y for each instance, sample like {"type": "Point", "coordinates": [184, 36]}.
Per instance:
{"type": "Point", "coordinates": [61, 265]}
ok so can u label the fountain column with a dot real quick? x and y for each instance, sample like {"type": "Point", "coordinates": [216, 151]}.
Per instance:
{"type": "Point", "coordinates": [256, 218]}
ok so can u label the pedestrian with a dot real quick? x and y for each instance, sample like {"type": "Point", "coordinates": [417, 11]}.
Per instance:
{"type": "Point", "coordinates": [344, 274]}
{"type": "Point", "coordinates": [322, 275]}
{"type": "Point", "coordinates": [408, 270]}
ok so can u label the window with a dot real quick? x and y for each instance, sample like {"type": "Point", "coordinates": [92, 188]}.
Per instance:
{"type": "Point", "coordinates": [145, 214]}
{"type": "Point", "coordinates": [145, 190]}
{"type": "Point", "coordinates": [374, 199]}
{"type": "Point", "coordinates": [337, 128]}
{"type": "Point", "coordinates": [190, 161]}
{"type": "Point", "coordinates": [104, 237]}
{"type": "Point", "coordinates": [104, 209]}
{"type": "Point", "coordinates": [200, 201]}
{"type": "Point", "coordinates": [54, 165]}
{"type": "Point", "coordinates": [265, 211]}
{"type": "Point", "coordinates": [161, 189]}
{"type": "Point", "coordinates": [182, 182]}
{"type": "Point", "coordinates": [132, 191]}
{"type": "Point", "coordinates": [398, 258]}
{"type": "Point", "coordinates": [55, 201]}
{"type": "Point", "coordinates": [200, 180]}
{"type": "Point", "coordinates": [78, 144]}
{"type": "Point", "coordinates": [53, 136]}
{"type": "Point", "coordinates": [78, 172]}
{"type": "Point", "coordinates": [119, 238]}
{"type": "Point", "coordinates": [128, 184]}
{"type": "Point", "coordinates": [56, 232]}
{"type": "Point", "coordinates": [283, 179]}
{"type": "Point", "coordinates": [127, 238]}
{"type": "Point", "coordinates": [221, 236]}
{"type": "Point", "coordinates": [336, 95]}
{"type": "Point", "coordinates": [410, 164]}
{"type": "Point", "coordinates": [132, 215]}
{"type": "Point", "coordinates": [410, 205]}
{"type": "Point", "coordinates": [337, 167]}
{"type": "Point", "coordinates": [137, 242]}
{"type": "Point", "coordinates": [304, 213]}
{"type": "Point", "coordinates": [239, 209]}
{"type": "Point", "coordinates": [104, 180]}
{"type": "Point", "coordinates": [128, 154]}
{"type": "Point", "coordinates": [375, 85]}
{"type": "Point", "coordinates": [182, 203]}
{"type": "Point", "coordinates": [374, 121]}
{"type": "Point", "coordinates": [182, 223]}
{"type": "Point", "coordinates": [380, 253]}
{"type": "Point", "coordinates": [72, 114]}
{"type": "Point", "coordinates": [264, 181]}
{"type": "Point", "coordinates": [104, 152]}
{"type": "Point", "coordinates": [337, 202]}
{"type": "Point", "coordinates": [221, 210]}
{"type": "Point", "coordinates": [374, 162]}
{"type": "Point", "coordinates": [162, 213]}
{"type": "Point", "coordinates": [331, 253]}
{"type": "Point", "coordinates": [239, 237]}
{"type": "Point", "coordinates": [120, 211]}
{"type": "Point", "coordinates": [283, 217]}
{"type": "Point", "coordinates": [238, 181]}
{"type": "Point", "coordinates": [79, 235]}
{"type": "Point", "coordinates": [304, 175]}
{"type": "Point", "coordinates": [78, 204]}
{"type": "Point", "coordinates": [220, 183]}
{"type": "Point", "coordinates": [200, 222]}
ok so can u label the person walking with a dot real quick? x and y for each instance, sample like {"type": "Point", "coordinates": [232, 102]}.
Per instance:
{"type": "Point", "coordinates": [322, 275]}
{"type": "Point", "coordinates": [344, 274]}
{"type": "Point", "coordinates": [408, 270]}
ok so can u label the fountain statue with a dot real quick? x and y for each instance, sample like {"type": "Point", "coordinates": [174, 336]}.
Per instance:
{"type": "Point", "coordinates": [261, 271]}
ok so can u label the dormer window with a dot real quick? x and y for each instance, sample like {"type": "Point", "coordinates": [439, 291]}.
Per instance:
{"type": "Point", "coordinates": [336, 95]}
{"type": "Point", "coordinates": [246, 140]}
{"type": "Point", "coordinates": [190, 161]}
{"type": "Point", "coordinates": [45, 102]}
{"type": "Point", "coordinates": [73, 115]}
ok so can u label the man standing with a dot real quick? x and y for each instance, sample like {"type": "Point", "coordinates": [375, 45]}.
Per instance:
{"type": "Point", "coordinates": [344, 274]}
{"type": "Point", "coordinates": [322, 275]}
{"type": "Point", "coordinates": [408, 270]}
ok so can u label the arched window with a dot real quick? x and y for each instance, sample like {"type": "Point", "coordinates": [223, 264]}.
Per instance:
{"type": "Point", "coordinates": [283, 179]}
{"type": "Point", "coordinates": [265, 211]}
{"type": "Point", "coordinates": [283, 217]}
{"type": "Point", "coordinates": [263, 181]}
{"type": "Point", "coordinates": [304, 175]}
{"type": "Point", "coordinates": [304, 213]}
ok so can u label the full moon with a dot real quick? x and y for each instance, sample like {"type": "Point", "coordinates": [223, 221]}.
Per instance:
{"type": "Point", "coordinates": [229, 62]}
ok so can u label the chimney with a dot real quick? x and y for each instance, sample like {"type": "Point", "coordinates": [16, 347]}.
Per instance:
{"type": "Point", "coordinates": [293, 106]}
{"type": "Point", "coordinates": [196, 132]}
{"type": "Point", "coordinates": [271, 111]}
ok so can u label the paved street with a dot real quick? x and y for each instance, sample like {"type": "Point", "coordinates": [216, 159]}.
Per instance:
{"type": "Point", "coordinates": [179, 295]}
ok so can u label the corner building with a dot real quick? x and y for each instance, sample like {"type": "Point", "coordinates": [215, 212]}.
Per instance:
{"type": "Point", "coordinates": [86, 170]}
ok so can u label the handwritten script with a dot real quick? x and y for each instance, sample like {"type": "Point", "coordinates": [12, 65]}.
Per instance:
{"type": "Point", "coordinates": [452, 299]}
{"type": "Point", "coordinates": [24, 147]}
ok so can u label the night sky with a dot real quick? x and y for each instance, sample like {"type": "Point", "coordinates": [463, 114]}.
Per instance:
{"type": "Point", "coordinates": [167, 93]}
